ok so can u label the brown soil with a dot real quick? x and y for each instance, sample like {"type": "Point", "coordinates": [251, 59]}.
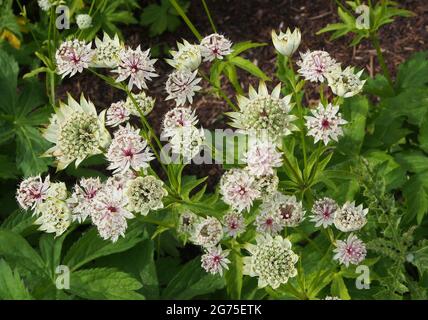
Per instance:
{"type": "Point", "coordinates": [242, 20]}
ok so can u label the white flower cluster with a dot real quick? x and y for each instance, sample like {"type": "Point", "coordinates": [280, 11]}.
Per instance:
{"type": "Point", "coordinates": [347, 218]}
{"type": "Point", "coordinates": [183, 83]}
{"type": "Point", "coordinates": [108, 205]}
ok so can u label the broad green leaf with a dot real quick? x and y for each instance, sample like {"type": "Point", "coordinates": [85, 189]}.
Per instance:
{"type": "Point", "coordinates": [338, 288]}
{"type": "Point", "coordinates": [11, 285]}
{"type": "Point", "coordinates": [234, 275]}
{"type": "Point", "coordinates": [19, 221]}
{"type": "Point", "coordinates": [249, 67]}
{"type": "Point", "coordinates": [7, 168]}
{"type": "Point", "coordinates": [420, 259]}
{"type": "Point", "coordinates": [104, 283]}
{"type": "Point", "coordinates": [8, 82]}
{"type": "Point", "coordinates": [50, 250]}
{"type": "Point", "coordinates": [416, 193]}
{"type": "Point", "coordinates": [240, 47]}
{"type": "Point", "coordinates": [414, 72]}
{"type": "Point", "coordinates": [192, 281]}
{"type": "Point", "coordinates": [91, 246]}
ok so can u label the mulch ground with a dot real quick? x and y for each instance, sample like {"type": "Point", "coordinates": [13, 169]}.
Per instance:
{"type": "Point", "coordinates": [242, 20]}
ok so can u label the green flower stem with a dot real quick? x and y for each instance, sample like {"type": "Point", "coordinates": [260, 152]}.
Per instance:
{"type": "Point", "coordinates": [296, 175]}
{"type": "Point", "coordinates": [375, 41]}
{"type": "Point", "coordinates": [209, 16]}
{"type": "Point", "coordinates": [183, 15]}
{"type": "Point", "coordinates": [219, 91]}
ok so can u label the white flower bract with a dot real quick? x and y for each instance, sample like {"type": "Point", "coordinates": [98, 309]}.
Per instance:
{"type": "Point", "coordinates": [145, 194]}
{"type": "Point", "coordinates": [288, 42]}
{"type": "Point", "coordinates": [208, 232]}
{"type": "Point", "coordinates": [234, 224]}
{"type": "Point", "coordinates": [117, 113]}
{"type": "Point", "coordinates": [345, 83]}
{"type": "Point", "coordinates": [315, 66]}
{"type": "Point", "coordinates": [350, 251]}
{"type": "Point", "coordinates": [177, 118]}
{"type": "Point", "coordinates": [81, 202]}
{"type": "Point", "coordinates": [323, 212]}
{"type": "Point", "coordinates": [182, 85]}
{"type": "Point", "coordinates": [215, 46]}
{"type": "Point", "coordinates": [84, 21]}
{"type": "Point", "coordinates": [261, 158]}
{"type": "Point", "coordinates": [107, 51]}
{"type": "Point", "coordinates": [55, 216]}
{"type": "Point", "coordinates": [215, 260]}
{"type": "Point", "coordinates": [32, 192]}
{"type": "Point", "coordinates": [73, 56]}
{"type": "Point", "coordinates": [350, 217]}
{"type": "Point", "coordinates": [188, 56]}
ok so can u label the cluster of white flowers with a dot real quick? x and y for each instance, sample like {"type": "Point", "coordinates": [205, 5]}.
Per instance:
{"type": "Point", "coordinates": [73, 56]}
{"type": "Point", "coordinates": [84, 21]}
{"type": "Point", "coordinates": [145, 194]}
{"type": "Point", "coordinates": [325, 124]}
{"type": "Point", "coordinates": [264, 115]}
{"type": "Point", "coordinates": [271, 260]}
{"type": "Point", "coordinates": [261, 158]}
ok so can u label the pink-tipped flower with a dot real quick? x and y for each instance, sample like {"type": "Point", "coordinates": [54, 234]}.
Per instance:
{"type": "Point", "coordinates": [215, 46]}
{"type": "Point", "coordinates": [323, 212]}
{"type": "Point", "coordinates": [316, 66]}
{"type": "Point", "coordinates": [117, 114]}
{"type": "Point", "coordinates": [261, 158]}
{"type": "Point", "coordinates": [73, 56]}
{"type": "Point", "coordinates": [215, 260]}
{"type": "Point", "coordinates": [182, 85]}
{"type": "Point", "coordinates": [81, 202]}
{"type": "Point", "coordinates": [32, 192]}
{"type": "Point", "coordinates": [352, 250]}
{"type": "Point", "coordinates": [234, 224]}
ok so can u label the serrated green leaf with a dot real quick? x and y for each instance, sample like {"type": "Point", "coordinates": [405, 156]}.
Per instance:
{"type": "Point", "coordinates": [11, 285]}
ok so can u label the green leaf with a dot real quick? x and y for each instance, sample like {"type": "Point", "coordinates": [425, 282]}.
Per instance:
{"type": "Point", "coordinates": [414, 72]}
{"type": "Point", "coordinates": [240, 47]}
{"type": "Point", "coordinates": [420, 259]}
{"type": "Point", "coordinates": [7, 168]}
{"type": "Point", "coordinates": [91, 246]}
{"type": "Point", "coordinates": [8, 82]}
{"type": "Point", "coordinates": [338, 288]}
{"type": "Point", "coordinates": [412, 161]}
{"type": "Point", "coordinates": [19, 252]}
{"type": "Point", "coordinates": [192, 281]}
{"type": "Point", "coordinates": [11, 285]}
{"type": "Point", "coordinates": [416, 193]}
{"type": "Point", "coordinates": [249, 67]}
{"type": "Point", "coordinates": [19, 221]}
{"type": "Point", "coordinates": [50, 250]}
{"type": "Point", "coordinates": [104, 283]}
{"type": "Point", "coordinates": [234, 275]}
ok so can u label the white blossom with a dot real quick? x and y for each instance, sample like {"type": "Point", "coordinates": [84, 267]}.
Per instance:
{"type": "Point", "coordinates": [325, 124]}
{"type": "Point", "coordinates": [288, 42]}
{"type": "Point", "coordinates": [215, 46]}
{"type": "Point", "coordinates": [287, 207]}
{"type": "Point", "coordinates": [145, 194]}
{"type": "Point", "coordinates": [315, 66]}
{"type": "Point", "coordinates": [32, 192]}
{"type": "Point", "coordinates": [81, 202]}
{"type": "Point", "coordinates": [188, 56]}
{"type": "Point", "coordinates": [182, 85]}
{"type": "Point", "coordinates": [117, 113]}
{"type": "Point", "coordinates": [73, 56]}
{"type": "Point", "coordinates": [84, 21]}
{"type": "Point", "coordinates": [323, 212]}
{"type": "Point", "coordinates": [208, 233]}
{"type": "Point", "coordinates": [177, 118]}
{"type": "Point", "coordinates": [137, 66]}
{"type": "Point", "coordinates": [107, 51]}
{"type": "Point", "coordinates": [55, 216]}
{"type": "Point", "coordinates": [269, 222]}
{"type": "Point", "coordinates": [187, 142]}
{"type": "Point", "coordinates": [215, 260]}
{"type": "Point", "coordinates": [350, 217]}
{"type": "Point", "coordinates": [234, 224]}
{"type": "Point", "coordinates": [262, 157]}
{"type": "Point", "coordinates": [271, 260]}
{"type": "Point", "coordinates": [352, 250]}
{"type": "Point", "coordinates": [144, 102]}
{"type": "Point", "coordinates": [345, 83]}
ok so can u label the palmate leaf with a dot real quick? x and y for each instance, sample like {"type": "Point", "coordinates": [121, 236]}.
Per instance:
{"type": "Point", "coordinates": [11, 285]}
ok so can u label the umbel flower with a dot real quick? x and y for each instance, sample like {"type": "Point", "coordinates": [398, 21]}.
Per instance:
{"type": "Point", "coordinates": [137, 66]}
{"type": "Point", "coordinates": [264, 115]}
{"type": "Point", "coordinates": [288, 42]}
{"type": "Point", "coordinates": [182, 85]}
{"type": "Point", "coordinates": [345, 83]}
{"type": "Point", "coordinates": [215, 260]}
{"type": "Point", "coordinates": [178, 118]}
{"type": "Point", "coordinates": [261, 158]}
{"type": "Point", "coordinates": [55, 216]}
{"type": "Point", "coordinates": [215, 46]}
{"type": "Point", "coordinates": [111, 214]}
{"type": "Point", "coordinates": [107, 51]}
{"type": "Point", "coordinates": [73, 56]}
{"type": "Point", "coordinates": [187, 57]}
{"type": "Point", "coordinates": [323, 212]}
{"type": "Point", "coordinates": [325, 124]}
{"type": "Point", "coordinates": [144, 102]}
{"type": "Point", "coordinates": [187, 142]}
{"type": "Point", "coordinates": [269, 222]}
{"type": "Point", "coordinates": [117, 113]}
{"type": "Point", "coordinates": [267, 185]}
{"type": "Point", "coordinates": [187, 222]}
{"type": "Point", "coordinates": [271, 260]}
{"type": "Point", "coordinates": [315, 66]}
{"type": "Point", "coordinates": [238, 189]}
{"type": "Point", "coordinates": [352, 250]}
{"type": "Point", "coordinates": [77, 132]}
{"type": "Point", "coordinates": [350, 217]}
{"type": "Point", "coordinates": [32, 192]}
{"type": "Point", "coordinates": [145, 194]}
{"type": "Point", "coordinates": [234, 224]}
{"type": "Point", "coordinates": [57, 190]}
{"type": "Point", "coordinates": [289, 210]}
{"type": "Point", "coordinates": [84, 21]}
{"type": "Point", "coordinates": [128, 151]}
{"type": "Point", "coordinates": [208, 233]}
{"type": "Point", "coordinates": [81, 202]}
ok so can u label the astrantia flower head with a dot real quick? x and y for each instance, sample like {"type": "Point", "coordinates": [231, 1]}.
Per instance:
{"type": "Point", "coordinates": [107, 51]}
{"type": "Point", "coordinates": [182, 85]}
{"type": "Point", "coordinates": [73, 56]}
{"type": "Point", "coordinates": [238, 189]}
{"type": "Point", "coordinates": [350, 217]}
{"type": "Point", "coordinates": [215, 260]}
{"type": "Point", "coordinates": [77, 132]}
{"type": "Point", "coordinates": [264, 115]}
{"type": "Point", "coordinates": [57, 190]}
{"type": "Point", "coordinates": [55, 216]}
{"type": "Point", "coordinates": [315, 66]}
{"type": "Point", "coordinates": [262, 157]}
{"type": "Point", "coordinates": [352, 250]}
{"type": "Point", "coordinates": [119, 181]}
{"type": "Point", "coordinates": [110, 214]}
{"type": "Point", "coordinates": [269, 222]}
{"type": "Point", "coordinates": [81, 202]}
{"type": "Point", "coordinates": [45, 5]}
{"type": "Point", "coordinates": [287, 207]}
{"type": "Point", "coordinates": [267, 185]}
{"type": "Point", "coordinates": [288, 42]}
{"type": "Point", "coordinates": [215, 46]}
{"type": "Point", "coordinates": [177, 118]}
{"type": "Point", "coordinates": [188, 56]}
{"type": "Point", "coordinates": [345, 83]}
{"type": "Point", "coordinates": [234, 223]}
{"type": "Point", "coordinates": [84, 21]}
{"type": "Point", "coordinates": [187, 222]}
{"type": "Point", "coordinates": [208, 233]}
{"type": "Point", "coordinates": [323, 212]}
{"type": "Point", "coordinates": [187, 142]}
{"type": "Point", "coordinates": [128, 151]}
{"type": "Point", "coordinates": [325, 124]}
{"type": "Point", "coordinates": [32, 192]}
{"type": "Point", "coordinates": [144, 102]}
{"type": "Point", "coordinates": [271, 260]}
{"type": "Point", "coordinates": [137, 66]}
{"type": "Point", "coordinates": [145, 194]}
{"type": "Point", "coordinates": [117, 113]}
